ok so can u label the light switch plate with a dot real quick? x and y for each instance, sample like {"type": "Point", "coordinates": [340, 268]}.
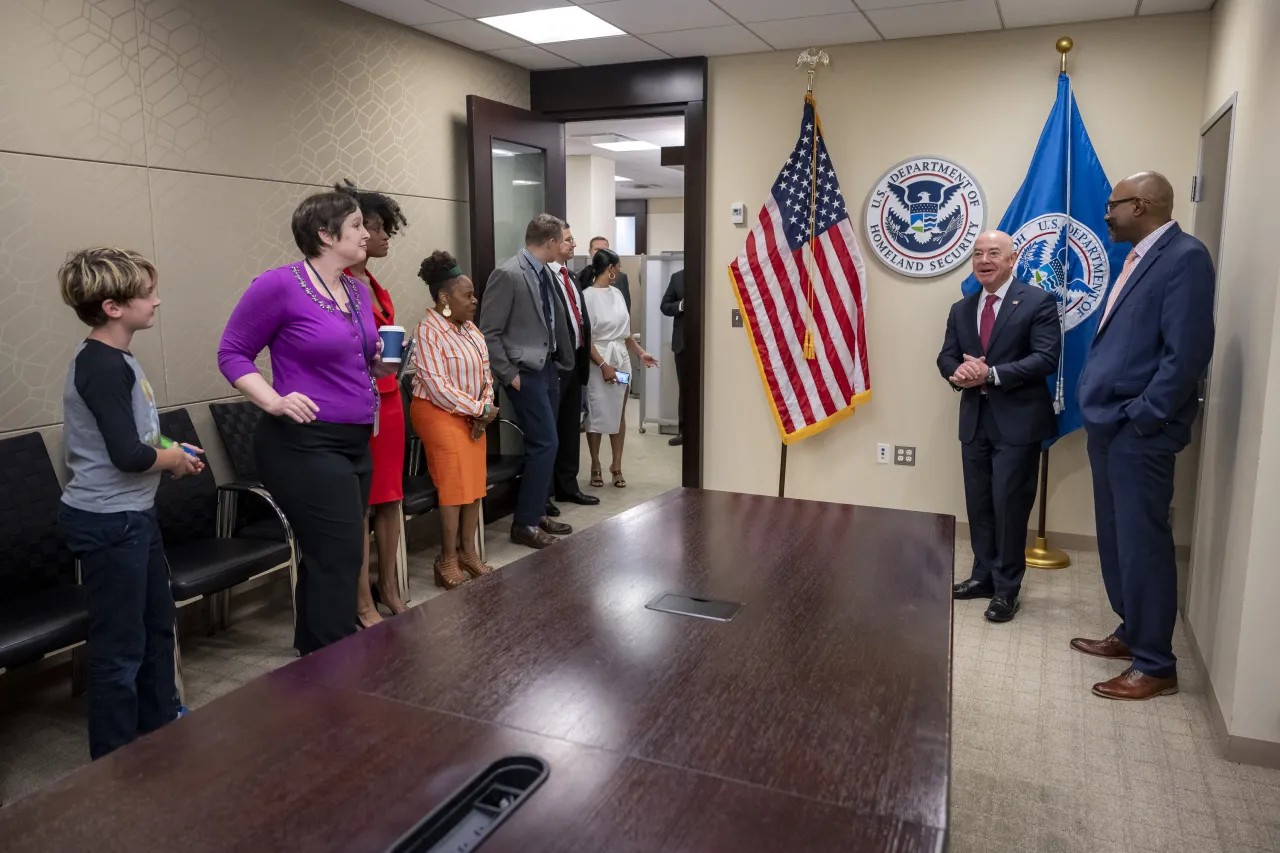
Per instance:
{"type": "Point", "coordinates": [737, 318]}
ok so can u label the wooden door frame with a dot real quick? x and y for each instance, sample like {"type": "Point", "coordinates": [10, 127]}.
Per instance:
{"type": "Point", "coordinates": [636, 90]}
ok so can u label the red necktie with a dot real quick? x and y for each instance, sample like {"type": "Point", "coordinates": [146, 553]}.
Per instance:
{"type": "Point", "coordinates": [988, 320]}
{"type": "Point", "coordinates": [573, 303]}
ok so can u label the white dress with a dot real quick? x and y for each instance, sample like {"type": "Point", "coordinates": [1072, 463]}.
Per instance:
{"type": "Point", "coordinates": [610, 328]}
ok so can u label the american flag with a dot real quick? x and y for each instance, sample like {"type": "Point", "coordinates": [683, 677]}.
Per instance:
{"type": "Point", "coordinates": [782, 305]}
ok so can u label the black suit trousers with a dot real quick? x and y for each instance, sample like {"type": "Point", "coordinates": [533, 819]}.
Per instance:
{"type": "Point", "coordinates": [999, 491]}
{"type": "Point", "coordinates": [568, 427]}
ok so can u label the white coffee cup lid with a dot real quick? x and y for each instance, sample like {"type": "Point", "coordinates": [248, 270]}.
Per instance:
{"type": "Point", "coordinates": [391, 328]}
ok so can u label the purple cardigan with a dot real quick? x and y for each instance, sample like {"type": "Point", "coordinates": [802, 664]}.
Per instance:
{"type": "Point", "coordinates": [315, 348]}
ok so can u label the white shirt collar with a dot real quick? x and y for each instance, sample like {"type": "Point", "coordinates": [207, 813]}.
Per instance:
{"type": "Point", "coordinates": [1002, 292]}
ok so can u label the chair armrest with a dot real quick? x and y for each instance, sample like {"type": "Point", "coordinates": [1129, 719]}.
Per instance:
{"type": "Point", "coordinates": [229, 493]}
{"type": "Point", "coordinates": [511, 424]}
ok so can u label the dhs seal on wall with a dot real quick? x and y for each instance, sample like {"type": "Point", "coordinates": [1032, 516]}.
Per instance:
{"type": "Point", "coordinates": [924, 215]}
{"type": "Point", "coordinates": [1067, 259]}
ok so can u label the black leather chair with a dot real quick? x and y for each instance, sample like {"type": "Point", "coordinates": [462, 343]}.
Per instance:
{"type": "Point", "coordinates": [207, 555]}
{"type": "Point", "coordinates": [236, 423]}
{"type": "Point", "coordinates": [42, 605]}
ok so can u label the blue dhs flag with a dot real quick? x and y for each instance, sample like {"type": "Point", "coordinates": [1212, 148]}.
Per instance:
{"type": "Point", "coordinates": [1057, 224]}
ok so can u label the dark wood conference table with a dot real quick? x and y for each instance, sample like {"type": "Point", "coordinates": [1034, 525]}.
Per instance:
{"type": "Point", "coordinates": [818, 719]}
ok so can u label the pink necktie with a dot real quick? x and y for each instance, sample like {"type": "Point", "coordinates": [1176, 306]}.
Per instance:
{"type": "Point", "coordinates": [988, 320]}
{"type": "Point", "coordinates": [1129, 263]}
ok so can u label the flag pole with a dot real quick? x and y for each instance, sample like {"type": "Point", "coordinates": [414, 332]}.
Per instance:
{"type": "Point", "coordinates": [782, 474]}
{"type": "Point", "coordinates": [1040, 555]}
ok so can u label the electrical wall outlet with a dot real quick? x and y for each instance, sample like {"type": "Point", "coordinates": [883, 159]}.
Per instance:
{"type": "Point", "coordinates": [904, 456]}
{"type": "Point", "coordinates": [736, 318]}
{"type": "Point", "coordinates": [883, 452]}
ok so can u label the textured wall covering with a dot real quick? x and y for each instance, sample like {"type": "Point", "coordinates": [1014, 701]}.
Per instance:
{"type": "Point", "coordinates": [189, 129]}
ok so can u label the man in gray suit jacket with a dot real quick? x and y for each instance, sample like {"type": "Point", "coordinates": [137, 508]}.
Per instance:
{"type": "Point", "coordinates": [530, 340]}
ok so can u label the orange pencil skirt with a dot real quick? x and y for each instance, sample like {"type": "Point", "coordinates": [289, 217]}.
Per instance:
{"type": "Point", "coordinates": [456, 463]}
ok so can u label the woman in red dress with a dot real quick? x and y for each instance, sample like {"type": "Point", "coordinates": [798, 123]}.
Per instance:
{"type": "Point", "coordinates": [382, 219]}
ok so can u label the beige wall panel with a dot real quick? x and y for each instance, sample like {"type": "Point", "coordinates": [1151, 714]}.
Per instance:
{"type": "Point", "coordinates": [47, 208]}
{"type": "Point", "coordinates": [1139, 83]}
{"type": "Point", "coordinates": [69, 79]}
{"type": "Point", "coordinates": [304, 90]}
{"type": "Point", "coordinates": [215, 236]}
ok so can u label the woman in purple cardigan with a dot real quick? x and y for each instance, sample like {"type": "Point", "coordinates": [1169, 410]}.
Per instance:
{"type": "Point", "coordinates": [312, 447]}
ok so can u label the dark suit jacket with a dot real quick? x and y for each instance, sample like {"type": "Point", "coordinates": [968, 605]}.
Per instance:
{"type": "Point", "coordinates": [671, 307]}
{"type": "Point", "coordinates": [625, 286]}
{"type": "Point", "coordinates": [582, 355]}
{"type": "Point", "coordinates": [514, 326]}
{"type": "Point", "coordinates": [1149, 355]}
{"type": "Point", "coordinates": [1025, 347]}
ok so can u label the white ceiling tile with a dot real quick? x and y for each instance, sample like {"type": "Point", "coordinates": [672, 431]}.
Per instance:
{"type": "Point", "coordinates": [711, 41]}
{"type": "Point", "coordinates": [531, 57]}
{"type": "Point", "coordinates": [411, 12]}
{"type": "Point", "coordinates": [606, 51]}
{"type": "Point", "coordinates": [473, 34]}
{"type": "Point", "coordinates": [868, 5]}
{"type": "Point", "coordinates": [1163, 7]}
{"type": "Point", "coordinates": [659, 16]}
{"type": "Point", "coordinates": [825, 29]}
{"type": "Point", "coordinates": [1035, 13]}
{"type": "Point", "coordinates": [489, 8]}
{"type": "Point", "coordinates": [936, 19]}
{"type": "Point", "coordinates": [750, 11]}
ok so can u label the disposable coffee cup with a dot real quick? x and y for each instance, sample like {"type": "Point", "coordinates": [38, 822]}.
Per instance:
{"type": "Point", "coordinates": [392, 343]}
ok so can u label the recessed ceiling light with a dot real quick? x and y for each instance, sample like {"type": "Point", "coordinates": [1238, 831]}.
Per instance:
{"type": "Point", "coordinates": [622, 180]}
{"type": "Point", "coordinates": [545, 26]}
{"type": "Point", "coordinates": [628, 145]}
{"type": "Point", "coordinates": [520, 182]}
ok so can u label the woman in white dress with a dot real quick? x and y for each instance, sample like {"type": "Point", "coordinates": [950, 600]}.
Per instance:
{"type": "Point", "coordinates": [610, 340]}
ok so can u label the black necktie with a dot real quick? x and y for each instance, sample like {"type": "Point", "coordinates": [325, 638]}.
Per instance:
{"type": "Point", "coordinates": [544, 279]}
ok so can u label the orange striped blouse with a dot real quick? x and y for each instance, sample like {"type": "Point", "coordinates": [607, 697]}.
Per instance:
{"type": "Point", "coordinates": [452, 366]}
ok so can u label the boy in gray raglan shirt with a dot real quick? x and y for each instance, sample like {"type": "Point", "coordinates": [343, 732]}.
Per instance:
{"type": "Point", "coordinates": [115, 455]}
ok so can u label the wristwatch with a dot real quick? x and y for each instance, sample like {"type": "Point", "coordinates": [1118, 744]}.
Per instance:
{"type": "Point", "coordinates": [991, 376]}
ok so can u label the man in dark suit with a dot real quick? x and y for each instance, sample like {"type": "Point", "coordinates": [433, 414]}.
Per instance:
{"type": "Point", "coordinates": [529, 340]}
{"type": "Point", "coordinates": [673, 306]}
{"type": "Point", "coordinates": [1002, 343]}
{"type": "Point", "coordinates": [564, 482]}
{"type": "Point", "coordinates": [622, 283]}
{"type": "Point", "coordinates": [1138, 400]}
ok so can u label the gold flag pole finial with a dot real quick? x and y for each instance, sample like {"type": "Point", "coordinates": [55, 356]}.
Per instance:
{"type": "Point", "coordinates": [812, 57]}
{"type": "Point", "coordinates": [1064, 46]}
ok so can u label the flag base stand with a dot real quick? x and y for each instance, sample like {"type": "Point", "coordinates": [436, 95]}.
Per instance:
{"type": "Point", "coordinates": [1041, 556]}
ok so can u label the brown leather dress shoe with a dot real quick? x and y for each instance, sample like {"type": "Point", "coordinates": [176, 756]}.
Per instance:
{"type": "Point", "coordinates": [1133, 686]}
{"type": "Point", "coordinates": [448, 574]}
{"type": "Point", "coordinates": [531, 537]}
{"type": "Point", "coordinates": [559, 528]}
{"type": "Point", "coordinates": [1109, 646]}
{"type": "Point", "coordinates": [472, 564]}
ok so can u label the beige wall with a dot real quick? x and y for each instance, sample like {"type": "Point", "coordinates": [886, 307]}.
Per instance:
{"type": "Point", "coordinates": [981, 100]}
{"type": "Point", "coordinates": [1234, 583]}
{"type": "Point", "coordinates": [189, 129]}
{"type": "Point", "coordinates": [666, 225]}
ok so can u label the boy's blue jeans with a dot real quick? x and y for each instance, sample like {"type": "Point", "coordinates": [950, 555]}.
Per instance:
{"type": "Point", "coordinates": [131, 689]}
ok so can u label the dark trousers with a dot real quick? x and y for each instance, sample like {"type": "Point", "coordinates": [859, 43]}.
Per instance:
{"type": "Point", "coordinates": [999, 490]}
{"type": "Point", "coordinates": [682, 365]}
{"type": "Point", "coordinates": [131, 688]}
{"type": "Point", "coordinates": [568, 435]}
{"type": "Point", "coordinates": [1132, 492]}
{"type": "Point", "coordinates": [320, 474]}
{"type": "Point", "coordinates": [536, 404]}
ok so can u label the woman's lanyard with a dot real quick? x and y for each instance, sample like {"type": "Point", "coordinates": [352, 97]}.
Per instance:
{"type": "Point", "coordinates": [354, 318]}
{"type": "Point", "coordinates": [353, 313]}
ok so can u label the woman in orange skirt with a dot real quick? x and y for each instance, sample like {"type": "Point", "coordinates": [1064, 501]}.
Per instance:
{"type": "Point", "coordinates": [452, 405]}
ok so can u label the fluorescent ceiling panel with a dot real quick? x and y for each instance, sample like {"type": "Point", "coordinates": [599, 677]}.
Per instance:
{"type": "Point", "coordinates": [548, 26]}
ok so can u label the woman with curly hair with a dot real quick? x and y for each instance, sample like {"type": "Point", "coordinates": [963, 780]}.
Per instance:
{"type": "Point", "coordinates": [382, 219]}
{"type": "Point", "coordinates": [452, 405]}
